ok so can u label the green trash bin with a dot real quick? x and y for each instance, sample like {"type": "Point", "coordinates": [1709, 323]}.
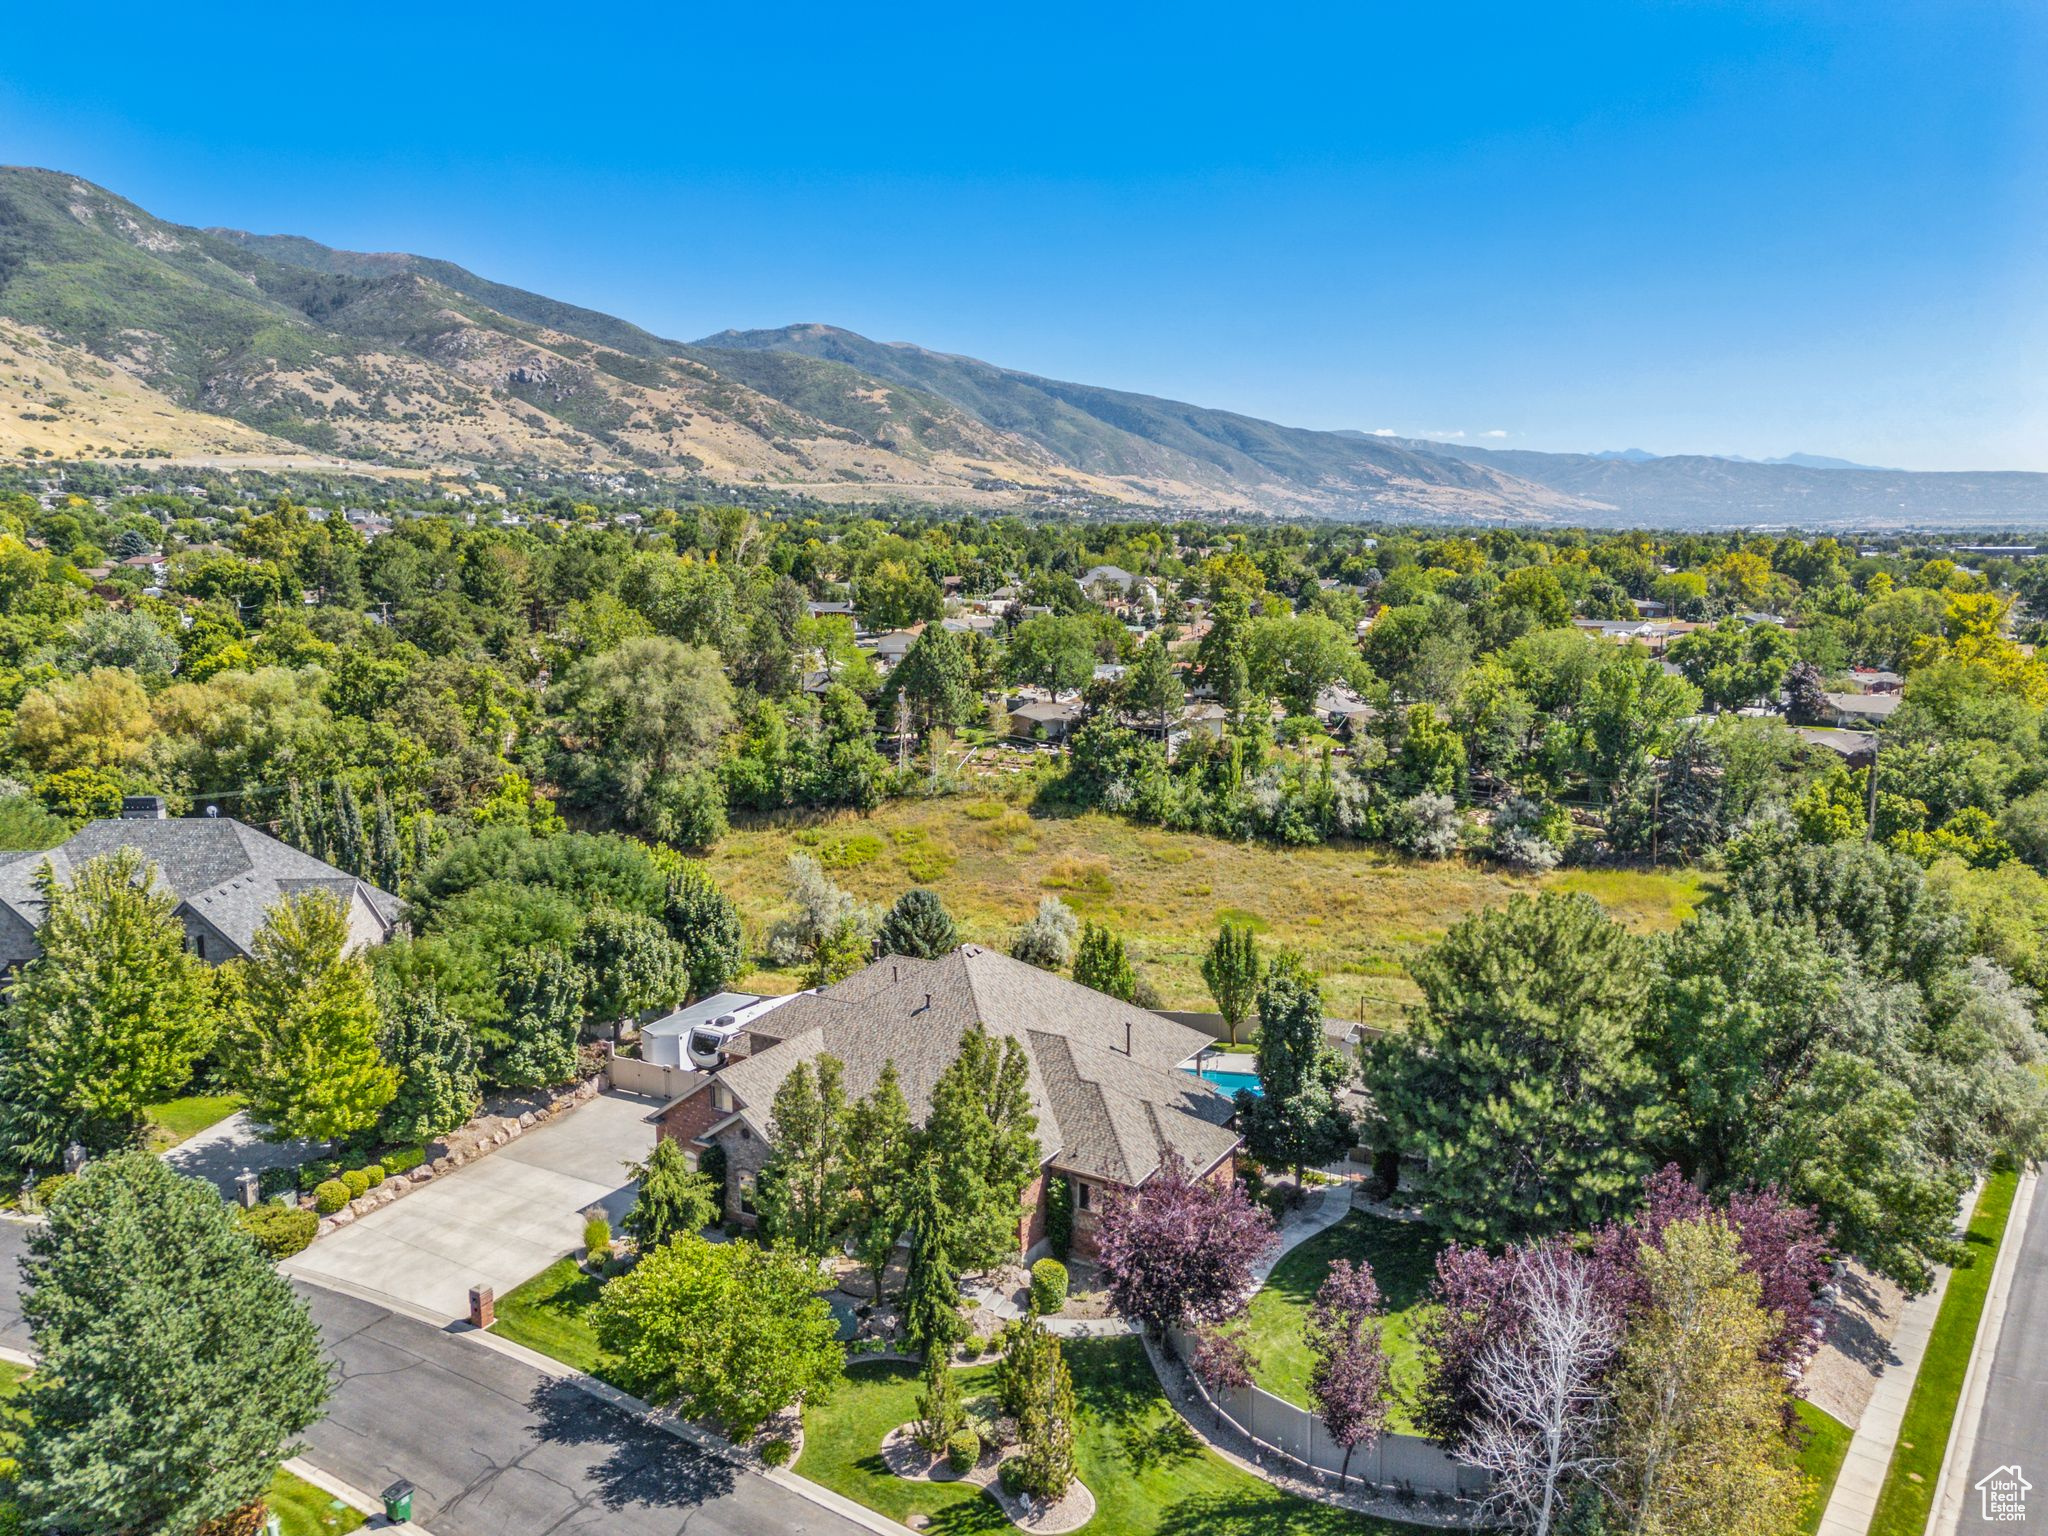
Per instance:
{"type": "Point", "coordinates": [398, 1502]}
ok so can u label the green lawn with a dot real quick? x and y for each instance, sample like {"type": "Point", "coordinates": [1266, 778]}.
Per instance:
{"type": "Point", "coordinates": [303, 1509]}
{"type": "Point", "coordinates": [551, 1313]}
{"type": "Point", "coordinates": [1820, 1458]}
{"type": "Point", "coordinates": [1403, 1258]}
{"type": "Point", "coordinates": [1915, 1471]}
{"type": "Point", "coordinates": [177, 1120]}
{"type": "Point", "coordinates": [1149, 1474]}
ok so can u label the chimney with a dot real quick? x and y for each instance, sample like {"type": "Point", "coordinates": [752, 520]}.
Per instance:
{"type": "Point", "coordinates": [143, 808]}
{"type": "Point", "coordinates": [1127, 1037]}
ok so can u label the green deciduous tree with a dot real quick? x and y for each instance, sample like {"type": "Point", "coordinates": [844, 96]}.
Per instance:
{"type": "Point", "coordinates": [801, 1192]}
{"type": "Point", "coordinates": [1698, 1439]}
{"type": "Point", "coordinates": [1231, 970]}
{"type": "Point", "coordinates": [437, 1061]}
{"type": "Point", "coordinates": [174, 1364]}
{"type": "Point", "coordinates": [702, 919]}
{"type": "Point", "coordinates": [1101, 964]}
{"type": "Point", "coordinates": [1519, 1083]}
{"type": "Point", "coordinates": [881, 1154]}
{"type": "Point", "coordinates": [982, 1135]}
{"type": "Point", "coordinates": [1297, 1120]}
{"type": "Point", "coordinates": [536, 1045]}
{"type": "Point", "coordinates": [632, 963]}
{"type": "Point", "coordinates": [725, 1331]}
{"type": "Point", "coordinates": [109, 1018]}
{"type": "Point", "coordinates": [302, 1039]}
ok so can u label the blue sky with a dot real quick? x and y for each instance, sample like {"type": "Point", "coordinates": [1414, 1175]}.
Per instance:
{"type": "Point", "coordinates": [1686, 227]}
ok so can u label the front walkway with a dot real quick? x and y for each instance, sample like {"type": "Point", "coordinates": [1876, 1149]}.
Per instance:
{"type": "Point", "coordinates": [225, 1149]}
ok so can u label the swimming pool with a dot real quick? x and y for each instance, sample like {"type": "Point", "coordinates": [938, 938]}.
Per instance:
{"type": "Point", "coordinates": [1232, 1083]}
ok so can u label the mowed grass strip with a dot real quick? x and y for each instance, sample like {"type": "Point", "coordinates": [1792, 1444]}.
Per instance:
{"type": "Point", "coordinates": [1915, 1472]}
{"type": "Point", "coordinates": [1357, 915]}
{"type": "Point", "coordinates": [1821, 1453]}
{"type": "Point", "coordinates": [1402, 1255]}
{"type": "Point", "coordinates": [1149, 1473]}
{"type": "Point", "coordinates": [551, 1313]}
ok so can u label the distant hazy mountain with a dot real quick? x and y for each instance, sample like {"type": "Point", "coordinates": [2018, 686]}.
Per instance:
{"type": "Point", "coordinates": [122, 335]}
{"type": "Point", "coordinates": [1700, 490]}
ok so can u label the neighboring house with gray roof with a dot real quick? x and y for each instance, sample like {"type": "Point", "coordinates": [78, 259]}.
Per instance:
{"type": "Point", "coordinates": [225, 875]}
{"type": "Point", "coordinates": [1107, 1079]}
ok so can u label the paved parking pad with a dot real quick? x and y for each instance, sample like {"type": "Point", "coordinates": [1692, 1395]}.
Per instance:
{"type": "Point", "coordinates": [496, 1222]}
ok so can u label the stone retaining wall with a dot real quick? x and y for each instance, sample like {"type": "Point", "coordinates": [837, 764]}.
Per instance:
{"type": "Point", "coordinates": [478, 1139]}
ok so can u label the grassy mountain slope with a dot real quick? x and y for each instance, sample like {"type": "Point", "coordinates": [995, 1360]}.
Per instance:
{"type": "Point", "coordinates": [404, 360]}
{"type": "Point", "coordinates": [1160, 442]}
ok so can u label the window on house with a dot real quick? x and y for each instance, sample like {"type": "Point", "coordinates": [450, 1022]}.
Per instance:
{"type": "Point", "coordinates": [747, 1194]}
{"type": "Point", "coordinates": [199, 945]}
{"type": "Point", "coordinates": [720, 1099]}
{"type": "Point", "coordinates": [1081, 1195]}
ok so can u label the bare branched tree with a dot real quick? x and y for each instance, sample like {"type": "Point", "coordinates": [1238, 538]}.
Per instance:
{"type": "Point", "coordinates": [1543, 1403]}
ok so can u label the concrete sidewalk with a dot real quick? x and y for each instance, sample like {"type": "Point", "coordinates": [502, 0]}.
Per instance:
{"type": "Point", "coordinates": [1854, 1500]}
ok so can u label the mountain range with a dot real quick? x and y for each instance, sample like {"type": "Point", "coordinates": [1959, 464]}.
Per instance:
{"type": "Point", "coordinates": [125, 336]}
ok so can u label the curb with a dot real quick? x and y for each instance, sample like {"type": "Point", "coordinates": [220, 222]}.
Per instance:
{"type": "Point", "coordinates": [351, 1495]}
{"type": "Point", "coordinates": [1950, 1497]}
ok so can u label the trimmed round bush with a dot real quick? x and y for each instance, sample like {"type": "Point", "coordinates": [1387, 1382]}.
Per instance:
{"type": "Point", "coordinates": [1048, 1287]}
{"type": "Point", "coordinates": [973, 1346]}
{"type": "Point", "coordinates": [776, 1453]}
{"type": "Point", "coordinates": [357, 1182]}
{"type": "Point", "coordinates": [329, 1196]}
{"type": "Point", "coordinates": [280, 1230]}
{"type": "Point", "coordinates": [375, 1174]}
{"type": "Point", "coordinates": [963, 1450]}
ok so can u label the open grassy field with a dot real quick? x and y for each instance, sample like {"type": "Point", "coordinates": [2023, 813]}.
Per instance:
{"type": "Point", "coordinates": [1403, 1258]}
{"type": "Point", "coordinates": [1149, 1474]}
{"type": "Point", "coordinates": [1358, 915]}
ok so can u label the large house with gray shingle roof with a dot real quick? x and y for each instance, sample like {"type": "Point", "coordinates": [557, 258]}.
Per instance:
{"type": "Point", "coordinates": [1109, 1081]}
{"type": "Point", "coordinates": [225, 875]}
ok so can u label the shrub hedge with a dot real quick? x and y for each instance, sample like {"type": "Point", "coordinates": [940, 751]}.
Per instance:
{"type": "Point", "coordinates": [1048, 1287]}
{"type": "Point", "coordinates": [280, 1230]}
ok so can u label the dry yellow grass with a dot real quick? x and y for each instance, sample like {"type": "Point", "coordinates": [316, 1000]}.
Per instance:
{"type": "Point", "coordinates": [1356, 915]}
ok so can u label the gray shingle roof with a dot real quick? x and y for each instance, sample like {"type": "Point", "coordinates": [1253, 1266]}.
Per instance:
{"type": "Point", "coordinates": [226, 871]}
{"type": "Point", "coordinates": [1105, 1078]}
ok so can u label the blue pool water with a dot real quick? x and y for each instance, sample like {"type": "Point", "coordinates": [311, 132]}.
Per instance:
{"type": "Point", "coordinates": [1233, 1082]}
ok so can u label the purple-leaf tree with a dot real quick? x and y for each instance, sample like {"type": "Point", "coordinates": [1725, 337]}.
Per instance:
{"type": "Point", "coordinates": [1348, 1382]}
{"type": "Point", "coordinates": [1783, 1245]}
{"type": "Point", "coordinates": [1223, 1362]}
{"type": "Point", "coordinates": [1181, 1254]}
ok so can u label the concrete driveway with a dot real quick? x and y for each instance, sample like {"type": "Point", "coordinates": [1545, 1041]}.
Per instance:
{"type": "Point", "coordinates": [221, 1151]}
{"type": "Point", "coordinates": [496, 1222]}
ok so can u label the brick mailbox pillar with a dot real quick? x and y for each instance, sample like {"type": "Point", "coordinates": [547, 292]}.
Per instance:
{"type": "Point", "coordinates": [483, 1306]}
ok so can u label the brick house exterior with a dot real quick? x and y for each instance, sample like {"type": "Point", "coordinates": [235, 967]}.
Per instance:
{"type": "Point", "coordinates": [1106, 1078]}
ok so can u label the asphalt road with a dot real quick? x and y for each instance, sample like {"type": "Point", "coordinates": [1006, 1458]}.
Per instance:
{"type": "Point", "coordinates": [495, 1448]}
{"type": "Point", "coordinates": [2013, 1428]}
